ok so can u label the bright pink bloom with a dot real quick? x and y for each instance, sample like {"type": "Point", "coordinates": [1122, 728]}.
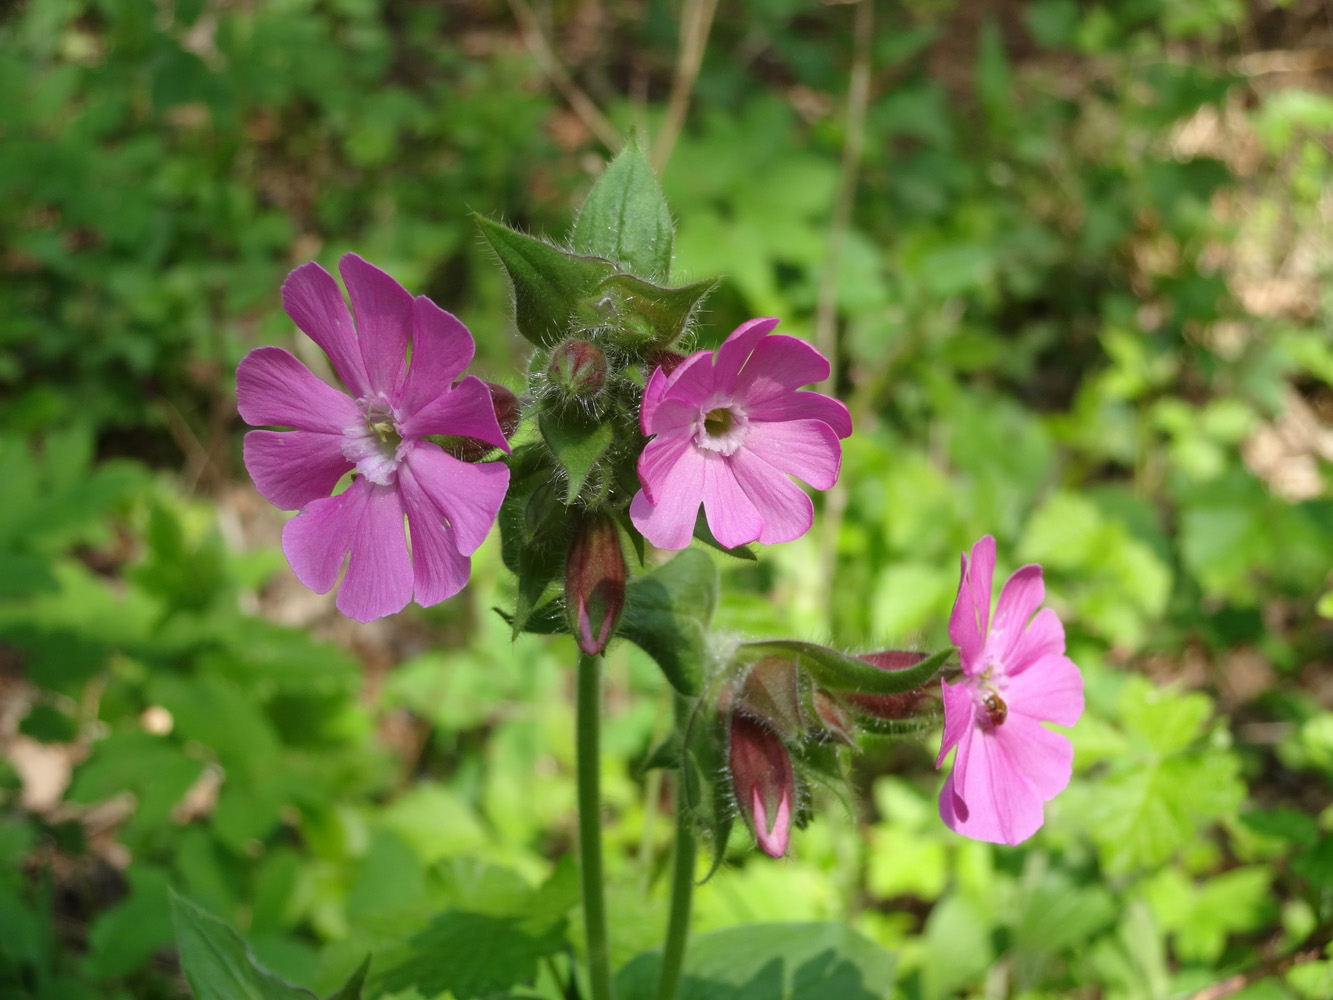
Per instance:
{"type": "Point", "coordinates": [761, 776]}
{"type": "Point", "coordinates": [377, 430]}
{"type": "Point", "coordinates": [730, 427]}
{"type": "Point", "coordinates": [1015, 677]}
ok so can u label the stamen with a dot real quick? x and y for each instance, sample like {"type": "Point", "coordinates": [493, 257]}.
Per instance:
{"type": "Point", "coordinates": [718, 422]}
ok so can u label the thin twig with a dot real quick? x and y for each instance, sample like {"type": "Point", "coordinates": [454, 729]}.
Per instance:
{"type": "Point", "coordinates": [574, 95]}
{"type": "Point", "coordinates": [695, 23]}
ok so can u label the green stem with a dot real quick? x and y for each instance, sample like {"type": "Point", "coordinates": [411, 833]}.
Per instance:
{"type": "Point", "coordinates": [682, 892]}
{"type": "Point", "coordinates": [588, 721]}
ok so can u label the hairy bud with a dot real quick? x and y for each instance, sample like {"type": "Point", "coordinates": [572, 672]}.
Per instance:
{"type": "Point", "coordinates": [577, 369]}
{"type": "Point", "coordinates": [507, 415]}
{"type": "Point", "coordinates": [905, 705]}
{"type": "Point", "coordinates": [595, 575]}
{"type": "Point", "coordinates": [765, 786]}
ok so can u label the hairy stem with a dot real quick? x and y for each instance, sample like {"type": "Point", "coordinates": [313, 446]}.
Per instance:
{"type": "Point", "coordinates": [682, 893]}
{"type": "Point", "coordinates": [588, 722]}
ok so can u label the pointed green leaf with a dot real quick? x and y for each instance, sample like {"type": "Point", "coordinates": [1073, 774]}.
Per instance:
{"type": "Point", "coordinates": [625, 217]}
{"type": "Point", "coordinates": [667, 615]}
{"type": "Point", "coordinates": [840, 672]}
{"type": "Point", "coordinates": [356, 982]}
{"type": "Point", "coordinates": [550, 285]}
{"type": "Point", "coordinates": [577, 445]}
{"type": "Point", "coordinates": [655, 315]}
{"type": "Point", "coordinates": [217, 963]}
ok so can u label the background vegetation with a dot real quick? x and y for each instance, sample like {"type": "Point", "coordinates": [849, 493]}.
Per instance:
{"type": "Point", "coordinates": [1075, 282]}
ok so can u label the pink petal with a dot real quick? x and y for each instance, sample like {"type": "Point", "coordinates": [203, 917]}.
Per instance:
{"type": "Point", "coordinates": [807, 449]}
{"type": "Point", "coordinates": [971, 608]}
{"type": "Point", "coordinates": [779, 366]}
{"type": "Point", "coordinates": [1044, 637]}
{"type": "Point", "coordinates": [294, 468]}
{"type": "Point", "coordinates": [652, 395]}
{"type": "Point", "coordinates": [465, 494]}
{"type": "Point", "coordinates": [441, 349]}
{"type": "Point", "coordinates": [1000, 805]}
{"type": "Point", "coordinates": [732, 517]}
{"type": "Point", "coordinates": [738, 346]}
{"type": "Point", "coordinates": [313, 301]}
{"type": "Point", "coordinates": [694, 379]}
{"type": "Point", "coordinates": [784, 506]}
{"type": "Point", "coordinates": [316, 540]}
{"type": "Point", "coordinates": [772, 837]}
{"type": "Point", "coordinates": [383, 310]}
{"type": "Point", "coordinates": [959, 715]}
{"type": "Point", "coordinates": [1044, 759]}
{"type": "Point", "coordinates": [669, 523]}
{"type": "Point", "coordinates": [802, 406]}
{"type": "Point", "coordinates": [657, 461]}
{"type": "Point", "coordinates": [1050, 691]}
{"type": "Point", "coordinates": [379, 574]}
{"type": "Point", "coordinates": [1022, 594]}
{"type": "Point", "coordinates": [439, 570]}
{"type": "Point", "coordinates": [674, 416]}
{"type": "Point", "coordinates": [273, 387]}
{"type": "Point", "coordinates": [465, 410]}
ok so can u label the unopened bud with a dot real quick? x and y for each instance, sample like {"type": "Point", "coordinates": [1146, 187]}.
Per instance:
{"type": "Point", "coordinates": [904, 705]}
{"type": "Point", "coordinates": [668, 361]}
{"type": "Point", "coordinates": [578, 369]}
{"type": "Point", "coordinates": [771, 693]}
{"type": "Point", "coordinates": [835, 717]}
{"type": "Point", "coordinates": [761, 775]}
{"type": "Point", "coordinates": [595, 575]}
{"type": "Point", "coordinates": [507, 415]}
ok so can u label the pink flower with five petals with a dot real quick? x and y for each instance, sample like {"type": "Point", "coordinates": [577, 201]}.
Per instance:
{"type": "Point", "coordinates": [1015, 677]}
{"type": "Point", "coordinates": [377, 430]}
{"type": "Point", "coordinates": [728, 429]}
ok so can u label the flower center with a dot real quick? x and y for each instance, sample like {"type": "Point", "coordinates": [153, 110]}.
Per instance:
{"type": "Point", "coordinates": [993, 710]}
{"type": "Point", "coordinates": [721, 427]}
{"type": "Point", "coordinates": [374, 443]}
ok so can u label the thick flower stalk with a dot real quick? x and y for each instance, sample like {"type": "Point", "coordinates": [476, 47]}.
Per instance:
{"type": "Point", "coordinates": [728, 428]}
{"type": "Point", "coordinates": [377, 430]}
{"type": "Point", "coordinates": [1015, 677]}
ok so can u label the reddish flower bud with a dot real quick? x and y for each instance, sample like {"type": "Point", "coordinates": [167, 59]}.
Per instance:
{"type": "Point", "coordinates": [770, 692]}
{"type": "Point", "coordinates": [578, 369]}
{"type": "Point", "coordinates": [835, 717]}
{"type": "Point", "coordinates": [761, 775]}
{"type": "Point", "coordinates": [904, 705]}
{"type": "Point", "coordinates": [664, 359]}
{"type": "Point", "coordinates": [507, 415]}
{"type": "Point", "coordinates": [595, 575]}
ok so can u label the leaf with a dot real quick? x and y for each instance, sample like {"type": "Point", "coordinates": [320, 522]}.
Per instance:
{"type": "Point", "coordinates": [625, 217]}
{"type": "Point", "coordinates": [667, 613]}
{"type": "Point", "coordinates": [658, 315]}
{"type": "Point", "coordinates": [808, 961]}
{"type": "Point", "coordinates": [840, 672]}
{"type": "Point", "coordinates": [351, 990]}
{"type": "Point", "coordinates": [217, 963]}
{"type": "Point", "coordinates": [705, 534]}
{"type": "Point", "coordinates": [472, 955]}
{"type": "Point", "coordinates": [549, 284]}
{"type": "Point", "coordinates": [577, 445]}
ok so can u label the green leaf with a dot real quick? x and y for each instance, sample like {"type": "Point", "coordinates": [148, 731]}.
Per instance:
{"type": "Point", "coordinates": [217, 963]}
{"type": "Point", "coordinates": [577, 445]}
{"type": "Point", "coordinates": [472, 955]}
{"type": "Point", "coordinates": [667, 613]}
{"type": "Point", "coordinates": [625, 217]}
{"type": "Point", "coordinates": [840, 672]}
{"type": "Point", "coordinates": [657, 315]}
{"type": "Point", "coordinates": [351, 990]}
{"type": "Point", "coordinates": [705, 534]}
{"type": "Point", "coordinates": [550, 285]}
{"type": "Point", "coordinates": [810, 961]}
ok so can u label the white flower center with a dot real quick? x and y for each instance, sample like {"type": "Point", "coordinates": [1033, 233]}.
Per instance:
{"type": "Point", "coordinates": [374, 443]}
{"type": "Point", "coordinates": [721, 427]}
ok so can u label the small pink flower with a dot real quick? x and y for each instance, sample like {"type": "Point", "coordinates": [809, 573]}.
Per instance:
{"type": "Point", "coordinates": [1015, 677]}
{"type": "Point", "coordinates": [377, 431]}
{"type": "Point", "coordinates": [729, 428]}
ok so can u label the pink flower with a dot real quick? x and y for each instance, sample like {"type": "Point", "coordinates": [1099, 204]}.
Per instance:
{"type": "Point", "coordinates": [1015, 677]}
{"type": "Point", "coordinates": [730, 427]}
{"type": "Point", "coordinates": [377, 431]}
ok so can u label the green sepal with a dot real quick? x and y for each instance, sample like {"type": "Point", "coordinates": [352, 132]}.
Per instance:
{"type": "Point", "coordinates": [577, 444]}
{"type": "Point", "coordinates": [550, 285]}
{"type": "Point", "coordinates": [705, 534]}
{"type": "Point", "coordinates": [534, 533]}
{"type": "Point", "coordinates": [652, 315]}
{"type": "Point", "coordinates": [625, 217]}
{"type": "Point", "coordinates": [840, 672]}
{"type": "Point", "coordinates": [705, 778]}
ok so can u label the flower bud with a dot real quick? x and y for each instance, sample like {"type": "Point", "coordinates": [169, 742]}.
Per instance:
{"type": "Point", "coordinates": [507, 415]}
{"type": "Point", "coordinates": [834, 716]}
{"type": "Point", "coordinates": [761, 775]}
{"type": "Point", "coordinates": [578, 369]}
{"type": "Point", "coordinates": [668, 361]}
{"type": "Point", "coordinates": [770, 692]}
{"type": "Point", "coordinates": [595, 575]}
{"type": "Point", "coordinates": [904, 705]}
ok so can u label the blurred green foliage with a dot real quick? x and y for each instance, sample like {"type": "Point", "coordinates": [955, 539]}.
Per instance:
{"type": "Point", "coordinates": [1050, 328]}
